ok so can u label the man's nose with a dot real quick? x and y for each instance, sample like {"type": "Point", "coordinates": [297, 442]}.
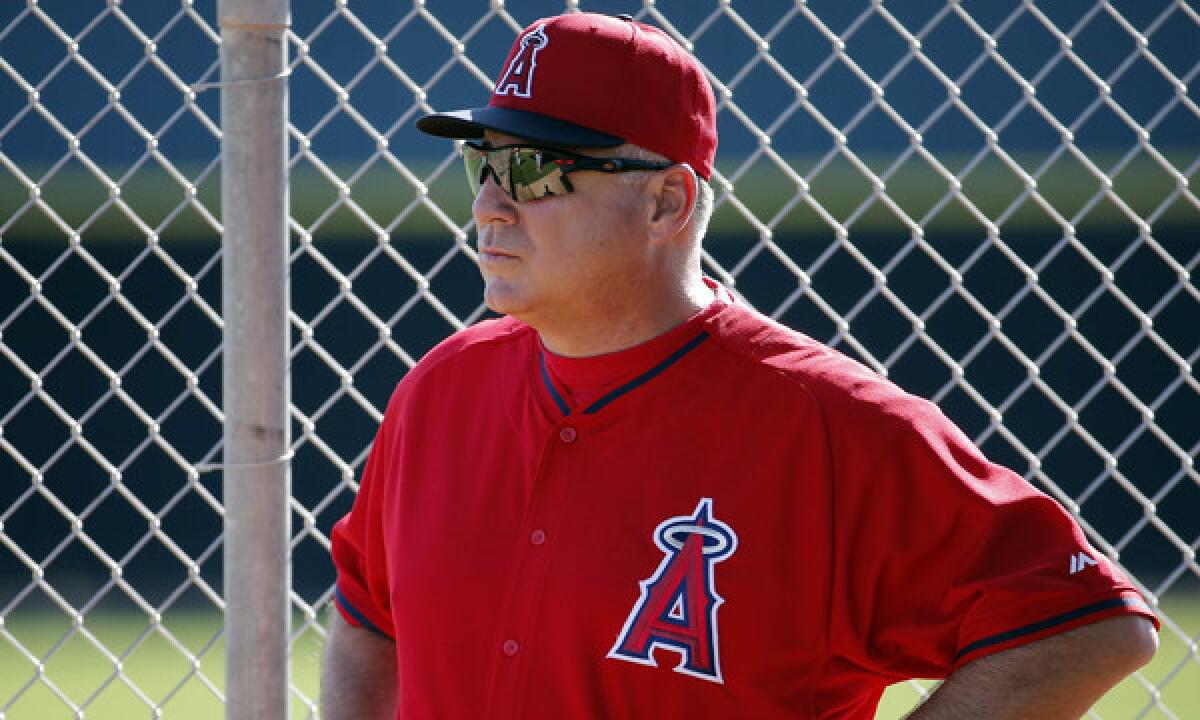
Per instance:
{"type": "Point", "coordinates": [492, 204]}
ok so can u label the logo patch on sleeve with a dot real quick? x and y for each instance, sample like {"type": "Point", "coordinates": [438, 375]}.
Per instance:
{"type": "Point", "coordinates": [1081, 561]}
{"type": "Point", "coordinates": [677, 610]}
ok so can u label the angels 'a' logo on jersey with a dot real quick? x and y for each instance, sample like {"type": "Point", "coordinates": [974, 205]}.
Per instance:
{"type": "Point", "coordinates": [677, 610]}
{"type": "Point", "coordinates": [518, 76]}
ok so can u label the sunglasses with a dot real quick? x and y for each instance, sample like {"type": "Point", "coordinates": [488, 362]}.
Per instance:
{"type": "Point", "coordinates": [528, 172]}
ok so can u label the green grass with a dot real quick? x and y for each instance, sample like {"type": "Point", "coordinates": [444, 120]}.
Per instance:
{"type": "Point", "coordinates": [158, 675]}
{"type": "Point", "coordinates": [157, 672]}
{"type": "Point", "coordinates": [393, 206]}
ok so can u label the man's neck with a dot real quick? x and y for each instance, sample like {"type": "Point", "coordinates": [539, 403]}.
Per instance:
{"type": "Point", "coordinates": [615, 330]}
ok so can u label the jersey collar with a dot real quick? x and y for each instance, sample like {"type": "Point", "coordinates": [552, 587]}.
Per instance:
{"type": "Point", "coordinates": [587, 385]}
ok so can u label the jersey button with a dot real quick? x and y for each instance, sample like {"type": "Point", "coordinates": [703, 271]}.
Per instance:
{"type": "Point", "coordinates": [537, 537]}
{"type": "Point", "coordinates": [567, 434]}
{"type": "Point", "coordinates": [510, 647]}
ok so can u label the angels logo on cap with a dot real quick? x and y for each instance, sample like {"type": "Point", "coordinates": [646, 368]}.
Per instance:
{"type": "Point", "coordinates": [518, 78]}
{"type": "Point", "coordinates": [602, 81]}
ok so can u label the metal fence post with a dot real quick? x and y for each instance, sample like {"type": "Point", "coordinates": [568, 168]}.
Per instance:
{"type": "Point", "coordinates": [255, 301]}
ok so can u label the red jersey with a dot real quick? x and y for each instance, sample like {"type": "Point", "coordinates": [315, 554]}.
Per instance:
{"type": "Point", "coordinates": [731, 520]}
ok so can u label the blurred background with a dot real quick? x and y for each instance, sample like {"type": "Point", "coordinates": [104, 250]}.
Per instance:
{"type": "Point", "coordinates": [991, 202]}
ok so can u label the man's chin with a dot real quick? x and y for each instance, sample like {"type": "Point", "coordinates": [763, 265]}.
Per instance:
{"type": "Point", "coordinates": [505, 300]}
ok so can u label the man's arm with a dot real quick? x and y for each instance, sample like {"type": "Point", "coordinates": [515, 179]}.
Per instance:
{"type": "Point", "coordinates": [1057, 677]}
{"type": "Point", "coordinates": [358, 674]}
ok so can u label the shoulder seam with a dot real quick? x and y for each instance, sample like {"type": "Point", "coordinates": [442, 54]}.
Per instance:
{"type": "Point", "coordinates": [821, 411]}
{"type": "Point", "coordinates": [758, 363]}
{"type": "Point", "coordinates": [509, 335]}
{"type": "Point", "coordinates": [760, 366]}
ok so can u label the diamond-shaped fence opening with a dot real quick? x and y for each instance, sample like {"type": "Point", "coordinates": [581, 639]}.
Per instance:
{"type": "Point", "coordinates": [991, 203]}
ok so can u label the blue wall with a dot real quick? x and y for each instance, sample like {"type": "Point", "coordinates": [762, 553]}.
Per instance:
{"type": "Point", "coordinates": [75, 98]}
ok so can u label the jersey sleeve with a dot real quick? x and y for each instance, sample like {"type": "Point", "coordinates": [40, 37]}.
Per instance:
{"type": "Point", "coordinates": [945, 557]}
{"type": "Point", "coordinates": [357, 540]}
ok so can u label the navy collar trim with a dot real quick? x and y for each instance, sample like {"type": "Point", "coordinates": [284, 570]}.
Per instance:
{"type": "Point", "coordinates": [633, 384]}
{"type": "Point", "coordinates": [558, 398]}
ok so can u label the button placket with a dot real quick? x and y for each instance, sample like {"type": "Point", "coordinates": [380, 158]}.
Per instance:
{"type": "Point", "coordinates": [522, 602]}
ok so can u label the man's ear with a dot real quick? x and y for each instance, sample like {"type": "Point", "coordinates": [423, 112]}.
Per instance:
{"type": "Point", "coordinates": [674, 192]}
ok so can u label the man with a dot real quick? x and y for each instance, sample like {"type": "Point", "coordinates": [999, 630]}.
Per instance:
{"type": "Point", "coordinates": [634, 497]}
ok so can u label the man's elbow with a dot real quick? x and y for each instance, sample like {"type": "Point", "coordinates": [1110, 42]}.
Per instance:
{"type": "Point", "coordinates": [1118, 646]}
{"type": "Point", "coordinates": [1134, 639]}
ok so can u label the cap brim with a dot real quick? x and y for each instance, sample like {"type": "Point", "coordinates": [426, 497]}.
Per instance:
{"type": "Point", "coordinates": [470, 124]}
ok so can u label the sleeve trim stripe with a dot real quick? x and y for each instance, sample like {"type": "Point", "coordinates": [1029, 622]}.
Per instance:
{"type": "Point", "coordinates": [1047, 624]}
{"type": "Point", "coordinates": [354, 613]}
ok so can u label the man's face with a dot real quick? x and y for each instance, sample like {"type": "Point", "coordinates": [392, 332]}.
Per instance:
{"type": "Point", "coordinates": [559, 259]}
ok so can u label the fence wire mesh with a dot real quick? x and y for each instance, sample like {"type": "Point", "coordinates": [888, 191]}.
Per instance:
{"type": "Point", "coordinates": [991, 203]}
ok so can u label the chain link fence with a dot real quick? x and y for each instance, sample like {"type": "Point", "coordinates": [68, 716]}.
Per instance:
{"type": "Point", "coordinates": [991, 203]}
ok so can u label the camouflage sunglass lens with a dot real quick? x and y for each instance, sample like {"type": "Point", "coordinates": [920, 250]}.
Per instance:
{"type": "Point", "coordinates": [534, 173]}
{"type": "Point", "coordinates": [474, 161]}
{"type": "Point", "coordinates": [525, 173]}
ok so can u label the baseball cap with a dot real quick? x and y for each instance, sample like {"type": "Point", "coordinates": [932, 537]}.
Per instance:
{"type": "Point", "coordinates": [591, 80]}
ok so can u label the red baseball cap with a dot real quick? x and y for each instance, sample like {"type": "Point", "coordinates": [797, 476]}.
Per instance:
{"type": "Point", "coordinates": [590, 80]}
